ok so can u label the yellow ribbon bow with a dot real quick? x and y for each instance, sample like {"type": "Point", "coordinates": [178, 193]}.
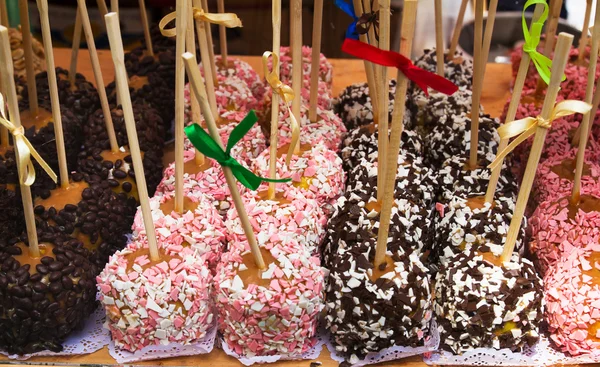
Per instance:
{"type": "Point", "coordinates": [229, 20]}
{"type": "Point", "coordinates": [286, 93]}
{"type": "Point", "coordinates": [526, 127]}
{"type": "Point", "coordinates": [25, 151]}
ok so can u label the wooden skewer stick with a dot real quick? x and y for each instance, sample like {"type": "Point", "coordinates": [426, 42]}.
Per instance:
{"type": "Point", "coordinates": [369, 67]}
{"type": "Point", "coordinates": [477, 84]}
{"type": "Point", "coordinates": [198, 87]}
{"type": "Point", "coordinates": [201, 29]}
{"type": "Point", "coordinates": [439, 37]}
{"type": "Point", "coordinates": [116, 46]}
{"type": "Point", "coordinates": [222, 33]}
{"type": "Point", "coordinates": [26, 31]}
{"type": "Point", "coordinates": [75, 49]}
{"type": "Point", "coordinates": [211, 47]}
{"type": "Point", "coordinates": [367, 9]}
{"type": "Point", "coordinates": [102, 7]}
{"type": "Point", "coordinates": [583, 40]}
{"type": "Point", "coordinates": [181, 26]}
{"type": "Point", "coordinates": [190, 45]}
{"type": "Point", "coordinates": [316, 58]}
{"type": "Point", "coordinates": [91, 44]}
{"type": "Point", "coordinates": [512, 108]}
{"type": "Point", "coordinates": [587, 118]}
{"type": "Point", "coordinates": [297, 68]}
{"type": "Point", "coordinates": [408, 31]}
{"type": "Point", "coordinates": [8, 80]}
{"type": "Point", "coordinates": [4, 14]}
{"type": "Point", "coordinates": [146, 25]}
{"type": "Point", "coordinates": [383, 99]}
{"type": "Point", "coordinates": [487, 37]}
{"type": "Point", "coordinates": [114, 6]}
{"type": "Point", "coordinates": [551, 27]}
{"type": "Point", "coordinates": [457, 29]}
{"type": "Point", "coordinates": [54, 101]}
{"type": "Point", "coordinates": [276, 20]}
{"type": "Point", "coordinates": [561, 56]}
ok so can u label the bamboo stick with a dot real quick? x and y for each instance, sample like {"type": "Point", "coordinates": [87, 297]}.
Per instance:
{"type": "Point", "coordinates": [116, 46]}
{"type": "Point", "coordinates": [276, 20]}
{"type": "Point", "coordinates": [369, 67]}
{"type": "Point", "coordinates": [551, 27]}
{"type": "Point", "coordinates": [4, 14]}
{"type": "Point", "coordinates": [199, 89]}
{"type": "Point", "coordinates": [408, 29]}
{"type": "Point", "coordinates": [54, 101]}
{"type": "Point", "coordinates": [91, 44]}
{"type": "Point", "coordinates": [561, 55]}
{"type": "Point", "coordinates": [211, 47]}
{"type": "Point", "coordinates": [477, 83]}
{"type": "Point", "coordinates": [383, 99]}
{"type": "Point", "coordinates": [316, 59]}
{"type": "Point", "coordinates": [77, 28]}
{"type": "Point", "coordinates": [206, 62]}
{"type": "Point", "coordinates": [297, 69]}
{"type": "Point", "coordinates": [222, 33]}
{"type": "Point", "coordinates": [583, 40]}
{"type": "Point", "coordinates": [489, 31]}
{"type": "Point", "coordinates": [8, 79]}
{"type": "Point", "coordinates": [439, 37]}
{"type": "Point", "coordinates": [27, 48]}
{"type": "Point", "coordinates": [181, 26]}
{"type": "Point", "coordinates": [457, 28]}
{"type": "Point", "coordinates": [587, 118]}
{"type": "Point", "coordinates": [512, 107]}
{"type": "Point", "coordinates": [146, 25]}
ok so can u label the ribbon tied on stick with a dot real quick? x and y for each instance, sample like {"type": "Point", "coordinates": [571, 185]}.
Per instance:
{"type": "Point", "coordinates": [25, 151]}
{"type": "Point", "coordinates": [210, 148]}
{"type": "Point", "coordinates": [542, 63]}
{"type": "Point", "coordinates": [287, 95]}
{"type": "Point", "coordinates": [360, 25]}
{"type": "Point", "coordinates": [420, 77]}
{"type": "Point", "coordinates": [524, 128]}
{"type": "Point", "coordinates": [229, 20]}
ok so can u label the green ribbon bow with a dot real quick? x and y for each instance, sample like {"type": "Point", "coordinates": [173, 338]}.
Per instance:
{"type": "Point", "coordinates": [542, 63]}
{"type": "Point", "coordinates": [210, 148]}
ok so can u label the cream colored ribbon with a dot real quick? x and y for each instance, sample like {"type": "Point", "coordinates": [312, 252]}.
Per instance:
{"type": "Point", "coordinates": [526, 127]}
{"type": "Point", "coordinates": [287, 94]}
{"type": "Point", "coordinates": [25, 151]}
{"type": "Point", "coordinates": [229, 20]}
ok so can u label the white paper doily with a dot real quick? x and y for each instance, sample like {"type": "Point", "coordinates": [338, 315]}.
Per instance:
{"type": "Point", "coordinates": [91, 338]}
{"type": "Point", "coordinates": [432, 343]}
{"type": "Point", "coordinates": [203, 346]}
{"type": "Point", "coordinates": [312, 353]}
{"type": "Point", "coordinates": [542, 354]}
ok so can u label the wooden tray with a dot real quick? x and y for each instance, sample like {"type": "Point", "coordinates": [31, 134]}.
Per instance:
{"type": "Point", "coordinates": [345, 72]}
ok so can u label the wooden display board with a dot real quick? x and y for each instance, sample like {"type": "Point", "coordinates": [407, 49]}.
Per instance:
{"type": "Point", "coordinates": [496, 91]}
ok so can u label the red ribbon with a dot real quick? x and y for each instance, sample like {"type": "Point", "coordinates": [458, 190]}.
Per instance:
{"type": "Point", "coordinates": [420, 77]}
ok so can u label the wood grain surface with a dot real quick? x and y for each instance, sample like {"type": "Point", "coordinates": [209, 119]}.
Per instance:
{"type": "Point", "coordinates": [345, 72]}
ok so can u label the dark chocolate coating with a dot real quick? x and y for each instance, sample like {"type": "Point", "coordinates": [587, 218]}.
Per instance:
{"type": "Point", "coordinates": [39, 311]}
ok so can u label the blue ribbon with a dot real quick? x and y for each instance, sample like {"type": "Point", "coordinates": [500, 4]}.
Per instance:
{"type": "Point", "coordinates": [348, 8]}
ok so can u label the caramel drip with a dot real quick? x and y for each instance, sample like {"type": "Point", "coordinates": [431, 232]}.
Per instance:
{"type": "Point", "coordinates": [593, 331]}
{"type": "Point", "coordinates": [264, 194]}
{"type": "Point", "coordinates": [190, 167]}
{"type": "Point", "coordinates": [9, 186]}
{"type": "Point", "coordinates": [26, 258]}
{"type": "Point", "coordinates": [594, 272]}
{"type": "Point", "coordinates": [282, 151]}
{"type": "Point", "coordinates": [467, 166]}
{"type": "Point", "coordinates": [371, 128]}
{"type": "Point", "coordinates": [138, 82]}
{"type": "Point", "coordinates": [85, 240]}
{"type": "Point", "coordinates": [60, 196]}
{"type": "Point", "coordinates": [374, 206]}
{"type": "Point", "coordinates": [169, 205]}
{"type": "Point", "coordinates": [491, 258]}
{"type": "Point", "coordinates": [42, 119]}
{"type": "Point", "coordinates": [477, 202]}
{"type": "Point", "coordinates": [130, 258]}
{"type": "Point", "coordinates": [587, 203]}
{"type": "Point", "coordinates": [378, 272]}
{"type": "Point", "coordinates": [109, 155]}
{"type": "Point", "coordinates": [221, 66]}
{"type": "Point", "coordinates": [253, 275]}
{"type": "Point", "coordinates": [566, 169]}
{"type": "Point", "coordinates": [505, 328]}
{"type": "Point", "coordinates": [457, 60]}
{"type": "Point", "coordinates": [220, 121]}
{"type": "Point", "coordinates": [304, 183]}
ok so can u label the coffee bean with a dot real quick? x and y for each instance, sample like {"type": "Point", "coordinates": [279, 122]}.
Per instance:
{"type": "Point", "coordinates": [54, 276]}
{"type": "Point", "coordinates": [40, 287]}
{"type": "Point", "coordinates": [56, 266]}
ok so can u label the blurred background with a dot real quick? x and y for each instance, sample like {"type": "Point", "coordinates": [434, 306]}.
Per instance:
{"type": "Point", "coordinates": [255, 36]}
